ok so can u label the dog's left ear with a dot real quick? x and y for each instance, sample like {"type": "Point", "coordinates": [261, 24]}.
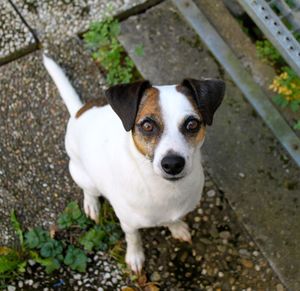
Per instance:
{"type": "Point", "coordinates": [125, 99]}
{"type": "Point", "coordinates": [208, 94]}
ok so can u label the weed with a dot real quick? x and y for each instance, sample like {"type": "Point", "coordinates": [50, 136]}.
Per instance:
{"type": "Point", "coordinates": [107, 51]}
{"type": "Point", "coordinates": [268, 53]}
{"type": "Point", "coordinates": [41, 246]}
{"type": "Point", "coordinates": [287, 85]}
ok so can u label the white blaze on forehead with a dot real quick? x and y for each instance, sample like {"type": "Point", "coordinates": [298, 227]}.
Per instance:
{"type": "Point", "coordinates": [174, 106]}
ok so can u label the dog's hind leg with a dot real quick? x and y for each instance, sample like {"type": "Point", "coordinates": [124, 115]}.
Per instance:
{"type": "Point", "coordinates": [180, 231]}
{"type": "Point", "coordinates": [91, 202]}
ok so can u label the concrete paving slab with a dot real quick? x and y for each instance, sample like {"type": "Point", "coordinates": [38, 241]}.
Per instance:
{"type": "Point", "coordinates": [260, 181]}
{"type": "Point", "coordinates": [15, 37]}
{"type": "Point", "coordinates": [61, 19]}
{"type": "Point", "coordinates": [34, 179]}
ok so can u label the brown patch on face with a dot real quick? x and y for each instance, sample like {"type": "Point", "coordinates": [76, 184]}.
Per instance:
{"type": "Point", "coordinates": [90, 104]}
{"type": "Point", "coordinates": [200, 136]}
{"type": "Point", "coordinates": [195, 138]}
{"type": "Point", "coordinates": [149, 109]}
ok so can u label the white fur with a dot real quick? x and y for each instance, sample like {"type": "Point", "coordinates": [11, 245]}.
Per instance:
{"type": "Point", "coordinates": [65, 89]}
{"type": "Point", "coordinates": [104, 161]}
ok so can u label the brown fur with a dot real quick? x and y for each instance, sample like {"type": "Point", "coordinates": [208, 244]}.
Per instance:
{"type": "Point", "coordinates": [90, 104]}
{"type": "Point", "coordinates": [197, 138]}
{"type": "Point", "coordinates": [149, 106]}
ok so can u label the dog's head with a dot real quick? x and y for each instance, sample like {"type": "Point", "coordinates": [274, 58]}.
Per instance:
{"type": "Point", "coordinates": [167, 122]}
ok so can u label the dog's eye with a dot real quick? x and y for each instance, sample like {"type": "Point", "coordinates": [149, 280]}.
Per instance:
{"type": "Point", "coordinates": [192, 125]}
{"type": "Point", "coordinates": [147, 126]}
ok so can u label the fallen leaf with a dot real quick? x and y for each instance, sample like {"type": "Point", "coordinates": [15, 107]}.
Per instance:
{"type": "Point", "coordinates": [127, 289]}
{"type": "Point", "coordinates": [53, 230]}
{"type": "Point", "coordinates": [151, 287]}
{"type": "Point", "coordinates": [142, 280]}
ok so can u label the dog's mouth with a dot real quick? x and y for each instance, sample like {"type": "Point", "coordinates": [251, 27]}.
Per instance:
{"type": "Point", "coordinates": [173, 179]}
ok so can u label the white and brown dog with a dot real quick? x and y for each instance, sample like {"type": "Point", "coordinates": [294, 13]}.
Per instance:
{"type": "Point", "coordinates": [141, 152]}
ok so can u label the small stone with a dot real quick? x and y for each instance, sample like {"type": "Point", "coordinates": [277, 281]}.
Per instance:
{"type": "Point", "coordinates": [244, 252]}
{"type": "Point", "coordinates": [155, 277]}
{"type": "Point", "coordinates": [77, 276]}
{"type": "Point", "coordinates": [100, 289]}
{"type": "Point", "coordinates": [197, 219]}
{"type": "Point", "coordinates": [221, 274]}
{"type": "Point", "coordinates": [225, 234]}
{"type": "Point", "coordinates": [255, 253]}
{"type": "Point", "coordinates": [11, 288]}
{"type": "Point", "coordinates": [188, 274]}
{"type": "Point", "coordinates": [211, 193]}
{"type": "Point", "coordinates": [200, 211]}
{"type": "Point", "coordinates": [31, 262]}
{"type": "Point", "coordinates": [36, 285]}
{"type": "Point", "coordinates": [279, 287]}
{"type": "Point", "coordinates": [242, 175]}
{"type": "Point", "coordinates": [20, 284]}
{"type": "Point", "coordinates": [30, 282]}
{"type": "Point", "coordinates": [106, 276]}
{"type": "Point", "coordinates": [257, 268]}
{"type": "Point", "coordinates": [247, 263]}
{"type": "Point", "coordinates": [198, 258]}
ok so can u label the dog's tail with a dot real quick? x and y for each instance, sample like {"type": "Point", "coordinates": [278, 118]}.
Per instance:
{"type": "Point", "coordinates": [64, 86]}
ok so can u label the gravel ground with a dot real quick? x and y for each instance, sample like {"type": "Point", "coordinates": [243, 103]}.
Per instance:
{"type": "Point", "coordinates": [15, 36]}
{"type": "Point", "coordinates": [62, 19]}
{"type": "Point", "coordinates": [34, 178]}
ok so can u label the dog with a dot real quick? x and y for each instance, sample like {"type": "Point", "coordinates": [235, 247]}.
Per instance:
{"type": "Point", "coordinates": [141, 152]}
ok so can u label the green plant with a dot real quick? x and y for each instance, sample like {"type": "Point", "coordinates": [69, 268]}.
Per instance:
{"type": "Point", "coordinates": [267, 52]}
{"type": "Point", "coordinates": [41, 246]}
{"type": "Point", "coordinates": [287, 87]}
{"type": "Point", "coordinates": [76, 259]}
{"type": "Point", "coordinates": [72, 216]}
{"type": "Point", "coordinates": [102, 40]}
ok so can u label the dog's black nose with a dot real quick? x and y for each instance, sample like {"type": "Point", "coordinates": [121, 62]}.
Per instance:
{"type": "Point", "coordinates": [173, 164]}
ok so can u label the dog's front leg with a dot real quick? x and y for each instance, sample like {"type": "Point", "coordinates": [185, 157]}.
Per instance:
{"type": "Point", "coordinates": [91, 205]}
{"type": "Point", "coordinates": [180, 231]}
{"type": "Point", "coordinates": [134, 254]}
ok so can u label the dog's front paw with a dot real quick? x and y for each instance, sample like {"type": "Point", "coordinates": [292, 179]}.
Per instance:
{"type": "Point", "coordinates": [92, 207]}
{"type": "Point", "coordinates": [135, 260]}
{"type": "Point", "coordinates": [180, 230]}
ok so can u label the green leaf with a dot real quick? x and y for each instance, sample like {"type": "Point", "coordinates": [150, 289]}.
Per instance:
{"type": "Point", "coordinates": [50, 264]}
{"type": "Point", "coordinates": [93, 238]}
{"type": "Point", "coordinates": [17, 227]}
{"type": "Point", "coordinates": [279, 100]}
{"type": "Point", "coordinates": [72, 215]}
{"type": "Point", "coordinates": [297, 125]}
{"type": "Point", "coordinates": [295, 104]}
{"type": "Point", "coordinates": [10, 260]}
{"type": "Point", "coordinates": [36, 237]}
{"type": "Point", "coordinates": [64, 221]}
{"type": "Point", "coordinates": [139, 50]}
{"type": "Point", "coordinates": [75, 259]}
{"type": "Point", "coordinates": [115, 28]}
{"type": "Point", "coordinates": [52, 248]}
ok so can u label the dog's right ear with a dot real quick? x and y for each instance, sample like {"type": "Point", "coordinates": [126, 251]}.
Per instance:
{"type": "Point", "coordinates": [125, 99]}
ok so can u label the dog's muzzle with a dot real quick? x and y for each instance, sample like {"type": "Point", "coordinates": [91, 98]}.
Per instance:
{"type": "Point", "coordinates": [173, 165]}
